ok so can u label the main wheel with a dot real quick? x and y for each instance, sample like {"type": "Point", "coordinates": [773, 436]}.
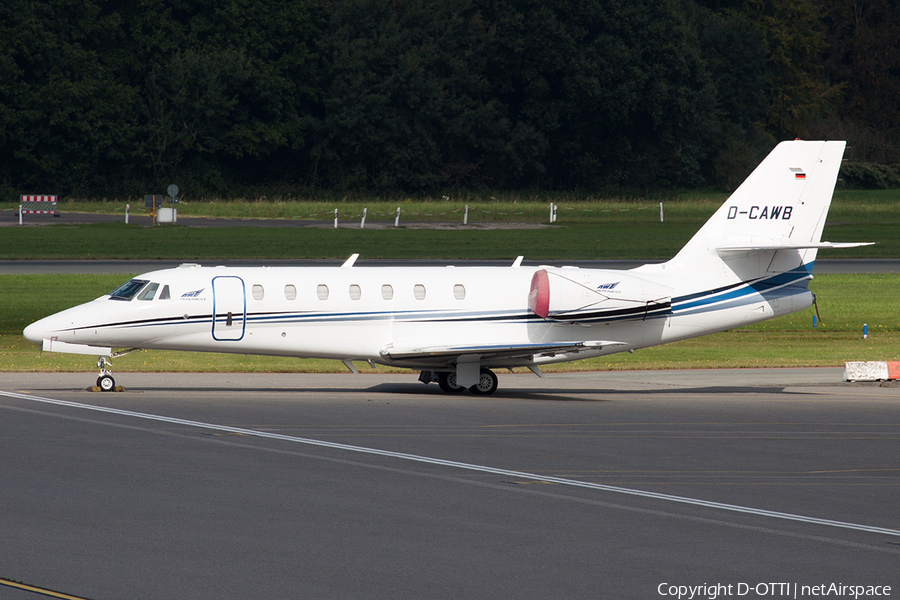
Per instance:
{"type": "Point", "coordinates": [106, 383]}
{"type": "Point", "coordinates": [487, 383]}
{"type": "Point", "coordinates": [447, 382]}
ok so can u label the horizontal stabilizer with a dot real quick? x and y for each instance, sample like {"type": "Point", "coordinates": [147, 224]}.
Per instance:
{"type": "Point", "coordinates": [65, 347]}
{"type": "Point", "coordinates": [768, 247]}
{"type": "Point", "coordinates": [495, 350]}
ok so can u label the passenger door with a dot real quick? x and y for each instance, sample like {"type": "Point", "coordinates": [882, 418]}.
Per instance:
{"type": "Point", "coordinates": [229, 308]}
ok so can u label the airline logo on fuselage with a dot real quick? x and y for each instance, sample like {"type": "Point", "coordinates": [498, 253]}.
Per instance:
{"type": "Point", "coordinates": [606, 287]}
{"type": "Point", "coordinates": [192, 295]}
{"type": "Point", "coordinates": [762, 212]}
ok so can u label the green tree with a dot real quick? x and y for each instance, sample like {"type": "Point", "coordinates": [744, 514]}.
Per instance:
{"type": "Point", "coordinates": [617, 91]}
{"type": "Point", "coordinates": [110, 96]}
{"type": "Point", "coordinates": [404, 99]}
{"type": "Point", "coordinates": [570, 93]}
{"type": "Point", "coordinates": [735, 55]}
{"type": "Point", "coordinates": [64, 120]}
{"type": "Point", "coordinates": [795, 39]}
{"type": "Point", "coordinates": [195, 115]}
{"type": "Point", "coordinates": [232, 101]}
{"type": "Point", "coordinates": [864, 59]}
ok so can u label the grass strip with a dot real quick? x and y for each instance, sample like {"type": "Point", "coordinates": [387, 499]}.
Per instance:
{"type": "Point", "coordinates": [586, 229]}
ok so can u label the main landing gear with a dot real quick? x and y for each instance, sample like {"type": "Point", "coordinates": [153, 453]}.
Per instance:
{"type": "Point", "coordinates": [486, 385]}
{"type": "Point", "coordinates": [105, 382]}
{"type": "Point", "coordinates": [447, 381]}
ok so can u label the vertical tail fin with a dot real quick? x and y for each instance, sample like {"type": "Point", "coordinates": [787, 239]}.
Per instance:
{"type": "Point", "coordinates": [773, 222]}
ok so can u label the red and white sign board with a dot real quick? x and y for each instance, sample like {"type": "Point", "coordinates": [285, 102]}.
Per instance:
{"type": "Point", "coordinates": [43, 205]}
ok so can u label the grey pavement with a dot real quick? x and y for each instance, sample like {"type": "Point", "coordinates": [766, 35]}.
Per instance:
{"type": "Point", "coordinates": [587, 485]}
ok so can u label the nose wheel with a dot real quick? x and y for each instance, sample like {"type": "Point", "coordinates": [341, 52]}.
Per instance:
{"type": "Point", "coordinates": [105, 382]}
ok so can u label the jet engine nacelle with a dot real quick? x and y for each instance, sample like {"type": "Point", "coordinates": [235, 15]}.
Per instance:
{"type": "Point", "coordinates": [587, 294]}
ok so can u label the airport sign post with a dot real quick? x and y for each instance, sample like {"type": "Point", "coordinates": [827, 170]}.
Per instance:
{"type": "Point", "coordinates": [153, 202]}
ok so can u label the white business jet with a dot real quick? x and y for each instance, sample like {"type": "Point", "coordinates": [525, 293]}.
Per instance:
{"type": "Point", "coordinates": [751, 261]}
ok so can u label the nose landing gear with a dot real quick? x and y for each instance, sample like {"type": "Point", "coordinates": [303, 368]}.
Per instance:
{"type": "Point", "coordinates": [105, 382]}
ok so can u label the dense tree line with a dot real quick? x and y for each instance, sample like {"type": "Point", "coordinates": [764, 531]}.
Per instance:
{"type": "Point", "coordinates": [111, 97]}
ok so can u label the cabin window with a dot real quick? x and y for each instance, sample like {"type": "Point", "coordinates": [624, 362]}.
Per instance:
{"type": "Point", "coordinates": [128, 290]}
{"type": "Point", "coordinates": [459, 291]}
{"type": "Point", "coordinates": [387, 292]}
{"type": "Point", "coordinates": [164, 295]}
{"type": "Point", "coordinates": [322, 291]}
{"type": "Point", "coordinates": [419, 291]}
{"type": "Point", "coordinates": [258, 292]}
{"type": "Point", "coordinates": [149, 292]}
{"type": "Point", "coordinates": [290, 292]}
{"type": "Point", "coordinates": [355, 292]}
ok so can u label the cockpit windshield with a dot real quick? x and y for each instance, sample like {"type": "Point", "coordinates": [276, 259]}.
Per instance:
{"type": "Point", "coordinates": [149, 292]}
{"type": "Point", "coordinates": [128, 290]}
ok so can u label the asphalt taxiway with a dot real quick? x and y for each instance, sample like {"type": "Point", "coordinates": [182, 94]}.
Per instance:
{"type": "Point", "coordinates": [587, 485]}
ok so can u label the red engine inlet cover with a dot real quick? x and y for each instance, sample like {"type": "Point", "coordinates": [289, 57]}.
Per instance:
{"type": "Point", "coordinates": [539, 296]}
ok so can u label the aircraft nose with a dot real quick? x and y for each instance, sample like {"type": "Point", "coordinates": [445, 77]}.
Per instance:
{"type": "Point", "coordinates": [36, 332]}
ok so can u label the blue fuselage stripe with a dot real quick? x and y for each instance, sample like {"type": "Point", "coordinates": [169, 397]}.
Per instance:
{"type": "Point", "coordinates": [740, 290]}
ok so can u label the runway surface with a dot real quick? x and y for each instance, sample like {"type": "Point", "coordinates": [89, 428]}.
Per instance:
{"type": "Point", "coordinates": [590, 485]}
{"type": "Point", "coordinates": [10, 217]}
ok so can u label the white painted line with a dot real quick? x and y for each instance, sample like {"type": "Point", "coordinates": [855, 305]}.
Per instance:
{"type": "Point", "coordinates": [465, 466]}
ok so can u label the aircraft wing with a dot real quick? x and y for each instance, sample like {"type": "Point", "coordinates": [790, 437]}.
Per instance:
{"type": "Point", "coordinates": [494, 350]}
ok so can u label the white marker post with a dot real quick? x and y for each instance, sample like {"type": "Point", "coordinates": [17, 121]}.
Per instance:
{"type": "Point", "coordinates": [397, 218]}
{"type": "Point", "coordinates": [362, 224]}
{"type": "Point", "coordinates": [660, 213]}
{"type": "Point", "coordinates": [466, 216]}
{"type": "Point", "coordinates": [127, 206]}
{"type": "Point", "coordinates": [335, 218]}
